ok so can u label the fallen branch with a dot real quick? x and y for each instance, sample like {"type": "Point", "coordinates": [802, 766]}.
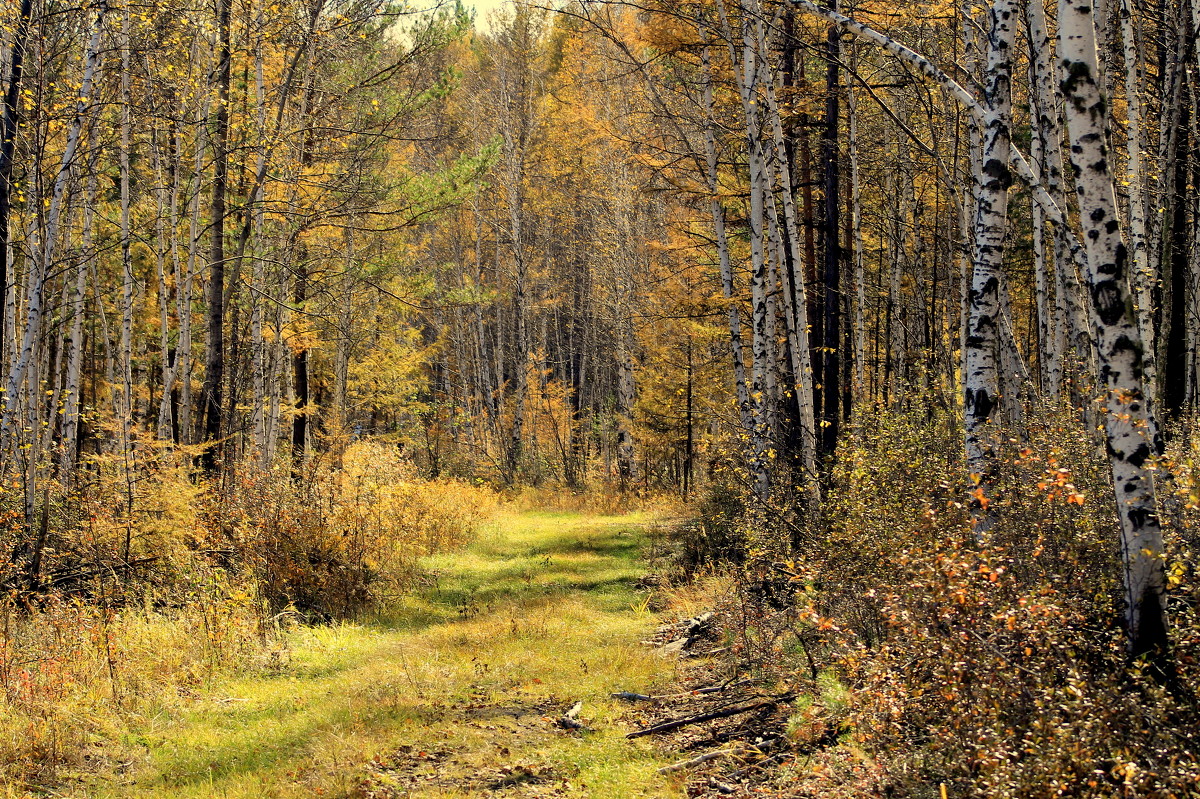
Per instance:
{"type": "Point", "coordinates": [631, 696]}
{"type": "Point", "coordinates": [570, 719]}
{"type": "Point", "coordinates": [736, 751]}
{"type": "Point", "coordinates": [675, 724]}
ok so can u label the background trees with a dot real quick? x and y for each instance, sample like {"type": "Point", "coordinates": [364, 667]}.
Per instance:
{"type": "Point", "coordinates": [784, 247]}
{"type": "Point", "coordinates": [652, 248]}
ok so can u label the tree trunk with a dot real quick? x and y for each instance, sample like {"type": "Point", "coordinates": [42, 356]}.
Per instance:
{"type": "Point", "coordinates": [831, 382]}
{"type": "Point", "coordinates": [1127, 423]}
{"type": "Point", "coordinates": [209, 418]}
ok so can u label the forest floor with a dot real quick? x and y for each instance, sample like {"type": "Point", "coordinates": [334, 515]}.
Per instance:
{"type": "Point", "coordinates": [457, 691]}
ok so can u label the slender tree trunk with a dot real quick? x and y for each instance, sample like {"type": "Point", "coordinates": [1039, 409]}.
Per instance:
{"type": "Point", "coordinates": [733, 314]}
{"type": "Point", "coordinates": [747, 76]}
{"type": "Point", "coordinates": [831, 382]}
{"type": "Point", "coordinates": [209, 418]}
{"type": "Point", "coordinates": [1127, 424]}
{"type": "Point", "coordinates": [795, 304]}
{"type": "Point", "coordinates": [123, 404]}
{"type": "Point", "coordinates": [74, 395]}
{"type": "Point", "coordinates": [1142, 278]}
{"type": "Point", "coordinates": [980, 360]}
{"type": "Point", "coordinates": [258, 290]}
{"type": "Point", "coordinates": [860, 295]}
{"type": "Point", "coordinates": [300, 386]}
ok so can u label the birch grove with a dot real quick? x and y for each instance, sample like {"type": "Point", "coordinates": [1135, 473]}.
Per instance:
{"type": "Point", "coordinates": [674, 248]}
{"type": "Point", "coordinates": [873, 328]}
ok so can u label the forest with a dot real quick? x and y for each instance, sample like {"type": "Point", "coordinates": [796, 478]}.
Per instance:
{"type": "Point", "coordinates": [600, 398]}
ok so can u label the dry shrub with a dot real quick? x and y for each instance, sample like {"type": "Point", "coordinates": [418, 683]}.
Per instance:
{"type": "Point", "coordinates": [603, 498]}
{"type": "Point", "coordinates": [112, 538]}
{"type": "Point", "coordinates": [338, 540]}
{"type": "Point", "coordinates": [127, 613]}
{"type": "Point", "coordinates": [994, 670]}
{"type": "Point", "coordinates": [101, 642]}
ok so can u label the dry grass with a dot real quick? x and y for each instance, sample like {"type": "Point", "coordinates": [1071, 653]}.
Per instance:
{"type": "Point", "coordinates": [470, 670]}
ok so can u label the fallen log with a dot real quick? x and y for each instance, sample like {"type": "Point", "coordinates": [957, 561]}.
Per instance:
{"type": "Point", "coordinates": [630, 696]}
{"type": "Point", "coordinates": [736, 710]}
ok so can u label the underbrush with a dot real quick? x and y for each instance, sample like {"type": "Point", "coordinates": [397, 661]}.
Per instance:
{"type": "Point", "coordinates": [607, 499]}
{"type": "Point", "coordinates": [340, 540]}
{"type": "Point", "coordinates": [980, 670]}
{"type": "Point", "coordinates": [75, 674]}
{"type": "Point", "coordinates": [148, 589]}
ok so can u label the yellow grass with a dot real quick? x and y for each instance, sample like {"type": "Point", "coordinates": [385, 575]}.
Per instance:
{"type": "Point", "coordinates": [473, 669]}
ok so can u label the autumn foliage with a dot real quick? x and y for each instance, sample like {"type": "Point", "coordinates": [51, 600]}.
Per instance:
{"type": "Point", "coordinates": [994, 670]}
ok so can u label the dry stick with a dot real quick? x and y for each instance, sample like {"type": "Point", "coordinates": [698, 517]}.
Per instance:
{"type": "Point", "coordinates": [631, 696]}
{"type": "Point", "coordinates": [667, 726]}
{"type": "Point", "coordinates": [570, 719]}
{"type": "Point", "coordinates": [736, 751]}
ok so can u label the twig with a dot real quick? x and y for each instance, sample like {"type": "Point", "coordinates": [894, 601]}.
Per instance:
{"type": "Point", "coordinates": [736, 751]}
{"type": "Point", "coordinates": [720, 787]}
{"type": "Point", "coordinates": [667, 726]}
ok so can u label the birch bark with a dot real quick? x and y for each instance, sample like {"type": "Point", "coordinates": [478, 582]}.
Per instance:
{"type": "Point", "coordinates": [1127, 424]}
{"type": "Point", "coordinates": [1142, 277]}
{"type": "Point", "coordinates": [795, 298]}
{"type": "Point", "coordinates": [49, 234]}
{"type": "Point", "coordinates": [717, 209]}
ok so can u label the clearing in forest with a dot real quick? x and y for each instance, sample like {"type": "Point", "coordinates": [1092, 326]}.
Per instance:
{"type": "Point", "coordinates": [455, 691]}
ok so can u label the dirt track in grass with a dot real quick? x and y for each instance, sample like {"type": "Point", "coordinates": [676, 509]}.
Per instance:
{"type": "Point", "coordinates": [456, 691]}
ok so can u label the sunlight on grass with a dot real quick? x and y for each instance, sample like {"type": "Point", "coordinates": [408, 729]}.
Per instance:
{"type": "Point", "coordinates": [539, 612]}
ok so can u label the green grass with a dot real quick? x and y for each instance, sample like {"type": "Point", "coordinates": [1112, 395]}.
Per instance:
{"type": "Point", "coordinates": [539, 612]}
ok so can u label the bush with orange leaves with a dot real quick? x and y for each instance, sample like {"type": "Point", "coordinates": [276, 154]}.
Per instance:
{"type": "Point", "coordinates": [998, 669]}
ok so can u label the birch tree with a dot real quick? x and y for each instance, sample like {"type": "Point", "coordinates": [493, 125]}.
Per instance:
{"type": "Point", "coordinates": [1128, 425]}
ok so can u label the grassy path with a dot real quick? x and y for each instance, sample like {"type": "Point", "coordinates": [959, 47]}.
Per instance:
{"type": "Point", "coordinates": [454, 694]}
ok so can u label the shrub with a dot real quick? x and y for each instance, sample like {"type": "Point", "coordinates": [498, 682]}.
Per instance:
{"type": "Point", "coordinates": [101, 639]}
{"type": "Point", "coordinates": [341, 539]}
{"type": "Point", "coordinates": [993, 670]}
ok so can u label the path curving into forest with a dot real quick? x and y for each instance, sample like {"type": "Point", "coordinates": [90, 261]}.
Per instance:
{"type": "Point", "coordinates": [456, 692]}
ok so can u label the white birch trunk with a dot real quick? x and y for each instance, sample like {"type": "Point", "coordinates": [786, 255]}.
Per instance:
{"type": "Point", "coordinates": [717, 210]}
{"type": "Point", "coordinates": [258, 365]}
{"type": "Point", "coordinates": [73, 401]}
{"type": "Point", "coordinates": [746, 77]}
{"type": "Point", "coordinates": [1142, 278]}
{"type": "Point", "coordinates": [49, 235]}
{"type": "Point", "coordinates": [860, 295]}
{"type": "Point", "coordinates": [795, 297]}
{"type": "Point", "coordinates": [981, 379]}
{"type": "Point", "coordinates": [1127, 424]}
{"type": "Point", "coordinates": [166, 208]}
